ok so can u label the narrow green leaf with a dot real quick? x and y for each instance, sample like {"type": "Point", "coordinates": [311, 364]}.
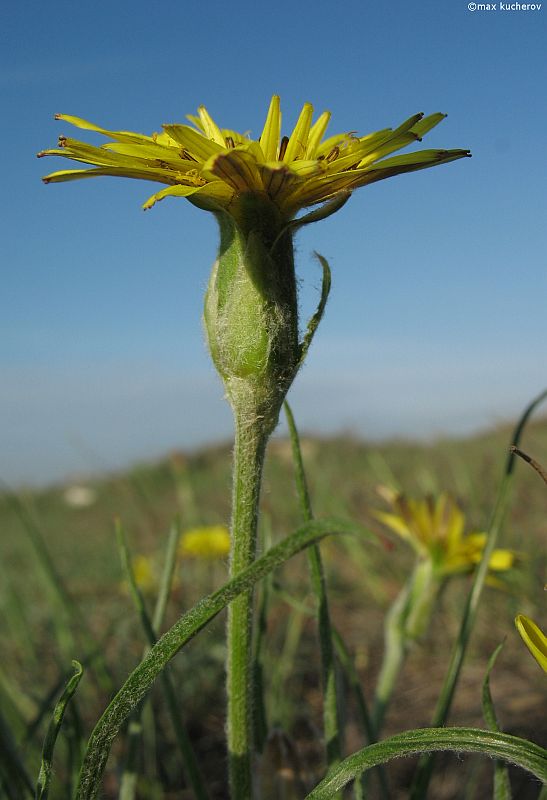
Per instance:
{"type": "Point", "coordinates": [142, 678]}
{"type": "Point", "coordinates": [524, 754]}
{"type": "Point", "coordinates": [44, 776]}
{"type": "Point", "coordinates": [331, 721]}
{"type": "Point", "coordinates": [324, 211]}
{"type": "Point", "coordinates": [317, 317]}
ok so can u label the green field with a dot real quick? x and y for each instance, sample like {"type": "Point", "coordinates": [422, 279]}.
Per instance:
{"type": "Point", "coordinates": [63, 597]}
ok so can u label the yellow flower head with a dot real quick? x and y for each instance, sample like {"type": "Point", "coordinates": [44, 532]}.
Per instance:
{"type": "Point", "coordinates": [208, 542]}
{"type": "Point", "coordinates": [434, 527]}
{"type": "Point", "coordinates": [144, 573]}
{"type": "Point", "coordinates": [534, 639]}
{"type": "Point", "coordinates": [212, 166]}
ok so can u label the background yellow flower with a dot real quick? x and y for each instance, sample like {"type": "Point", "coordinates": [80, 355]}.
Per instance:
{"type": "Point", "coordinates": [208, 542]}
{"type": "Point", "coordinates": [434, 527]}
{"type": "Point", "coordinates": [534, 639]}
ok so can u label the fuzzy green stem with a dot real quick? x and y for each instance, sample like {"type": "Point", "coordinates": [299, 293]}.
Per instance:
{"type": "Point", "coordinates": [249, 449]}
{"type": "Point", "coordinates": [394, 656]}
{"type": "Point", "coordinates": [251, 323]}
{"type": "Point", "coordinates": [405, 622]}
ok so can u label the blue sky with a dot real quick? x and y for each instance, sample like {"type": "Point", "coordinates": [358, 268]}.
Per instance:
{"type": "Point", "coordinates": [436, 321]}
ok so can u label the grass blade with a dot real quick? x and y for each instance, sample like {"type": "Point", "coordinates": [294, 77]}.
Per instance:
{"type": "Point", "coordinates": [71, 616]}
{"type": "Point", "coordinates": [189, 761]}
{"type": "Point", "coordinates": [44, 776]}
{"type": "Point", "coordinates": [331, 722]}
{"type": "Point", "coordinates": [128, 786]}
{"type": "Point", "coordinates": [14, 777]}
{"type": "Point", "coordinates": [166, 579]}
{"type": "Point", "coordinates": [502, 784]}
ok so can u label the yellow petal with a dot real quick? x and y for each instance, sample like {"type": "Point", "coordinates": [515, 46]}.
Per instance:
{"type": "Point", "coordinates": [409, 163]}
{"type": "Point", "coordinates": [344, 159]}
{"type": "Point", "coordinates": [197, 145]}
{"type": "Point", "coordinates": [157, 155]}
{"type": "Point", "coordinates": [501, 560]}
{"type": "Point", "coordinates": [408, 124]}
{"type": "Point", "coordinates": [210, 128]}
{"type": "Point", "coordinates": [124, 155]}
{"type": "Point", "coordinates": [170, 191]}
{"type": "Point", "coordinates": [333, 142]}
{"type": "Point", "coordinates": [212, 196]}
{"type": "Point", "coordinates": [254, 148]}
{"type": "Point", "coordinates": [197, 122]}
{"type": "Point", "coordinates": [423, 522]}
{"type": "Point", "coordinates": [269, 139]}
{"type": "Point", "coordinates": [307, 168]}
{"type": "Point", "coordinates": [385, 148]}
{"type": "Point", "coordinates": [298, 140]}
{"type": "Point", "coordinates": [454, 528]}
{"type": "Point", "coordinates": [317, 131]}
{"type": "Point", "coordinates": [118, 172]}
{"type": "Point", "coordinates": [534, 639]}
{"type": "Point", "coordinates": [237, 168]}
{"type": "Point", "coordinates": [372, 139]}
{"type": "Point", "coordinates": [120, 136]}
{"type": "Point", "coordinates": [279, 180]}
{"type": "Point", "coordinates": [237, 138]}
{"type": "Point", "coordinates": [426, 124]}
{"type": "Point", "coordinates": [389, 494]}
{"type": "Point", "coordinates": [475, 541]}
{"type": "Point", "coordinates": [396, 523]}
{"type": "Point", "coordinates": [419, 159]}
{"type": "Point", "coordinates": [316, 190]}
